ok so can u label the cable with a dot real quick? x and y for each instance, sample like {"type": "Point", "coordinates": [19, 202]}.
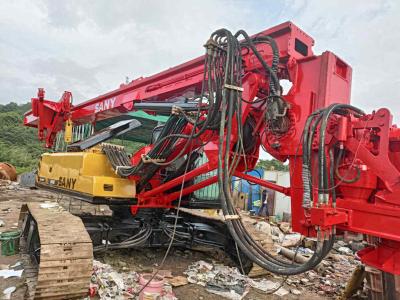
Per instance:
{"type": "Point", "coordinates": [222, 83]}
{"type": "Point", "coordinates": [174, 230]}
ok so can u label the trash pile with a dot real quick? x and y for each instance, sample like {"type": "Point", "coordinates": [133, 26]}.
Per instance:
{"type": "Point", "coordinates": [8, 185]}
{"type": "Point", "coordinates": [330, 276]}
{"type": "Point", "coordinates": [15, 270]}
{"type": "Point", "coordinates": [7, 271]}
{"type": "Point", "coordinates": [228, 282]}
{"type": "Point", "coordinates": [110, 284]}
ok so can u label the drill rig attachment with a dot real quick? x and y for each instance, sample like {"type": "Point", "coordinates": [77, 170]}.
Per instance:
{"type": "Point", "coordinates": [112, 131]}
{"type": "Point", "coordinates": [240, 108]}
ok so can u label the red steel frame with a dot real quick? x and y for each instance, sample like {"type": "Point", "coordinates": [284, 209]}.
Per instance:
{"type": "Point", "coordinates": [317, 82]}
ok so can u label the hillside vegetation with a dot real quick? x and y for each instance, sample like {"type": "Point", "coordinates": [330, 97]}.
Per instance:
{"type": "Point", "coordinates": [19, 145]}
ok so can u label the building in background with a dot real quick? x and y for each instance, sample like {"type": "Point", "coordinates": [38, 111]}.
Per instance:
{"type": "Point", "coordinates": [280, 203]}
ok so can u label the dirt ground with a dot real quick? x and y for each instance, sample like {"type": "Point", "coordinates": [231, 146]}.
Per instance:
{"type": "Point", "coordinates": [148, 259]}
{"type": "Point", "coordinates": [136, 260]}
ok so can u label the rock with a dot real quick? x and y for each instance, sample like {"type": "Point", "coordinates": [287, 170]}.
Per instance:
{"type": "Point", "coordinates": [312, 275]}
{"type": "Point", "coordinates": [345, 250]}
{"type": "Point", "coordinates": [291, 240]}
{"type": "Point", "coordinates": [275, 231]}
{"type": "Point", "coordinates": [336, 257]}
{"type": "Point", "coordinates": [264, 227]}
{"type": "Point", "coordinates": [295, 292]}
{"type": "Point", "coordinates": [285, 227]}
{"type": "Point", "coordinates": [304, 280]}
{"type": "Point", "coordinates": [327, 282]}
{"type": "Point", "coordinates": [340, 243]}
{"type": "Point", "coordinates": [281, 292]}
{"type": "Point", "coordinates": [356, 246]}
{"type": "Point", "coordinates": [178, 281]}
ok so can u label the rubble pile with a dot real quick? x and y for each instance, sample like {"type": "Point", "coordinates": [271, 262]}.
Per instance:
{"type": "Point", "coordinates": [8, 185]}
{"type": "Point", "coordinates": [109, 284]}
{"type": "Point", "coordinates": [327, 280]}
{"type": "Point", "coordinates": [228, 282]}
{"type": "Point", "coordinates": [331, 276]}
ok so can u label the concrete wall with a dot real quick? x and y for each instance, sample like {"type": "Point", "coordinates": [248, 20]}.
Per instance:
{"type": "Point", "coordinates": [282, 202]}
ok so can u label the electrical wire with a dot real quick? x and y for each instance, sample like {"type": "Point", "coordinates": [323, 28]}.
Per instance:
{"type": "Point", "coordinates": [174, 229]}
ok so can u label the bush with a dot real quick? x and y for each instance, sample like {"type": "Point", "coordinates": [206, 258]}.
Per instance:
{"type": "Point", "coordinates": [19, 145]}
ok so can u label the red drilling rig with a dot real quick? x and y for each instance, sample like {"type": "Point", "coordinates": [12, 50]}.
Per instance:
{"type": "Point", "coordinates": [222, 108]}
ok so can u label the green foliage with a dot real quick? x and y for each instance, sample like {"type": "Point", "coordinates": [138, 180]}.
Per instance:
{"type": "Point", "coordinates": [130, 146]}
{"type": "Point", "coordinates": [19, 145]}
{"type": "Point", "coordinates": [272, 164]}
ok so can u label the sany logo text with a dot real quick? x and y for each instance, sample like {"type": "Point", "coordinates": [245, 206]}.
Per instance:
{"type": "Point", "coordinates": [104, 105]}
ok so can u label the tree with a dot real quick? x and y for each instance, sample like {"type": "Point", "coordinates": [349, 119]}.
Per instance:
{"type": "Point", "coordinates": [272, 164]}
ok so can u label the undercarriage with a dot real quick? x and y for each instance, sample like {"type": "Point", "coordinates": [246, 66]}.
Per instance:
{"type": "Point", "coordinates": [68, 256]}
{"type": "Point", "coordinates": [156, 228]}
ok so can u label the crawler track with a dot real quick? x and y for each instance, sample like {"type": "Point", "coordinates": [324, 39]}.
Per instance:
{"type": "Point", "coordinates": [61, 252]}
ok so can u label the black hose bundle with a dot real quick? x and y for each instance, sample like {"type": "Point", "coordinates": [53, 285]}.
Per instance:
{"type": "Point", "coordinates": [231, 103]}
{"type": "Point", "coordinates": [134, 241]}
{"type": "Point", "coordinates": [222, 87]}
{"type": "Point", "coordinates": [319, 120]}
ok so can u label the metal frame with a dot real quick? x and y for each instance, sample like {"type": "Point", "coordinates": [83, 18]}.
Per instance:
{"type": "Point", "coordinates": [318, 81]}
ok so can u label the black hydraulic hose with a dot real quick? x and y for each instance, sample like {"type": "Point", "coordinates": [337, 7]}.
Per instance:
{"type": "Point", "coordinates": [343, 178]}
{"type": "Point", "coordinates": [288, 269]}
{"type": "Point", "coordinates": [332, 176]}
{"type": "Point", "coordinates": [272, 73]}
{"type": "Point", "coordinates": [308, 135]}
{"type": "Point", "coordinates": [310, 138]}
{"type": "Point", "coordinates": [241, 236]}
{"type": "Point", "coordinates": [322, 182]}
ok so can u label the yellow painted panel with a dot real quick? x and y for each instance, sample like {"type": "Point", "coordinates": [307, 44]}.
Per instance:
{"type": "Point", "coordinates": [85, 172]}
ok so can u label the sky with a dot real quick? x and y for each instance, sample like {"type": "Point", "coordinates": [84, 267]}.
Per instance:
{"type": "Point", "coordinates": [90, 47]}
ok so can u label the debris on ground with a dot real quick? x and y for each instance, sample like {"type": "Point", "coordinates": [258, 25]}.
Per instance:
{"type": "Point", "coordinates": [49, 205]}
{"type": "Point", "coordinates": [107, 283]}
{"type": "Point", "coordinates": [8, 291]}
{"type": "Point", "coordinates": [330, 276]}
{"type": "Point", "coordinates": [178, 281]}
{"type": "Point", "coordinates": [6, 184]}
{"type": "Point", "coordinates": [345, 250]}
{"type": "Point", "coordinates": [228, 282]}
{"type": "Point", "coordinates": [336, 269]}
{"type": "Point", "coordinates": [6, 273]}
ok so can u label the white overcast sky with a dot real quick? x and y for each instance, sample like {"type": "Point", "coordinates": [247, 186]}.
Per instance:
{"type": "Point", "coordinates": [89, 47]}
